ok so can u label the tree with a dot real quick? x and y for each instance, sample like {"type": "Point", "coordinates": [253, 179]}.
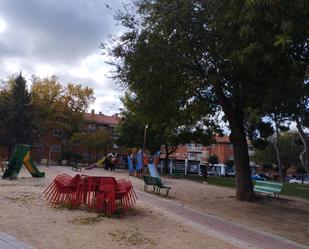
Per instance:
{"type": "Point", "coordinates": [213, 159]}
{"type": "Point", "coordinates": [222, 55]}
{"type": "Point", "coordinates": [94, 142]}
{"type": "Point", "coordinates": [289, 152]}
{"type": "Point", "coordinates": [229, 163]}
{"type": "Point", "coordinates": [164, 127]}
{"type": "Point", "coordinates": [304, 155]}
{"type": "Point", "coordinates": [17, 113]}
{"type": "Point", "coordinates": [59, 106]}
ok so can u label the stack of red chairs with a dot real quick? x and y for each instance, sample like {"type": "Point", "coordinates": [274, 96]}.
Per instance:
{"type": "Point", "coordinates": [102, 194]}
{"type": "Point", "coordinates": [125, 194]}
{"type": "Point", "coordinates": [64, 190]}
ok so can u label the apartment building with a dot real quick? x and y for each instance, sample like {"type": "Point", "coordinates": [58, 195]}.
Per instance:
{"type": "Point", "coordinates": [52, 145]}
{"type": "Point", "coordinates": [199, 153]}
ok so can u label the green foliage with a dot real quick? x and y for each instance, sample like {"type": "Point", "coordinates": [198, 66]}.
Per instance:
{"type": "Point", "coordinates": [300, 170]}
{"type": "Point", "coordinates": [95, 142]}
{"type": "Point", "coordinates": [16, 113]}
{"type": "Point", "coordinates": [213, 159]}
{"type": "Point", "coordinates": [267, 166]}
{"type": "Point", "coordinates": [229, 163]}
{"type": "Point", "coordinates": [187, 60]}
{"type": "Point", "coordinates": [162, 129]}
{"type": "Point", "coordinates": [59, 106]}
{"type": "Point", "coordinates": [289, 152]}
{"type": "Point", "coordinates": [71, 156]}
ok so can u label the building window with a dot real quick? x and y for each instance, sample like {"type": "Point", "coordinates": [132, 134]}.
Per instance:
{"type": "Point", "coordinates": [38, 147]}
{"type": "Point", "coordinates": [231, 146]}
{"type": "Point", "coordinates": [57, 133]}
{"type": "Point", "coordinates": [213, 146]}
{"type": "Point", "coordinates": [91, 126]}
{"type": "Point", "coordinates": [55, 148]}
{"type": "Point", "coordinates": [231, 158]}
{"type": "Point", "coordinates": [191, 154]}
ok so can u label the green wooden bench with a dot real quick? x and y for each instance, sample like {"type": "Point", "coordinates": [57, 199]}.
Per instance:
{"type": "Point", "coordinates": [268, 188]}
{"type": "Point", "coordinates": [75, 167]}
{"type": "Point", "coordinates": [156, 183]}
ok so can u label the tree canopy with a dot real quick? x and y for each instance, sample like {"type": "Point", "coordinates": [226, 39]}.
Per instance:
{"type": "Point", "coordinates": [289, 152]}
{"type": "Point", "coordinates": [16, 115]}
{"type": "Point", "coordinates": [212, 56]}
{"type": "Point", "coordinates": [59, 106]}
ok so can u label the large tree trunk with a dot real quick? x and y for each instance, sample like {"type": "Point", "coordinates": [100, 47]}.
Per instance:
{"type": "Point", "coordinates": [304, 156]}
{"type": "Point", "coordinates": [235, 116]}
{"type": "Point", "coordinates": [244, 188]}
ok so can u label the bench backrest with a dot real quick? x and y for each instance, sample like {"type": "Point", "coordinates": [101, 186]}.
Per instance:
{"type": "Point", "coordinates": [271, 186]}
{"type": "Point", "coordinates": [152, 180]}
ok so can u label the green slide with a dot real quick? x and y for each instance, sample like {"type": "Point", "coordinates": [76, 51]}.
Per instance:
{"type": "Point", "coordinates": [21, 156]}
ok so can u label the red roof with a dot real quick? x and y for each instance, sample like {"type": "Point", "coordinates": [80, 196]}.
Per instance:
{"type": "Point", "coordinates": [224, 139]}
{"type": "Point", "coordinates": [102, 119]}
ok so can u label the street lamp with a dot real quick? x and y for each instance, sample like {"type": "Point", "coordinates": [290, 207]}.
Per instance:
{"type": "Point", "coordinates": [145, 132]}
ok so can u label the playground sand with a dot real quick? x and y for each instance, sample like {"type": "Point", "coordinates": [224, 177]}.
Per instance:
{"type": "Point", "coordinates": [26, 216]}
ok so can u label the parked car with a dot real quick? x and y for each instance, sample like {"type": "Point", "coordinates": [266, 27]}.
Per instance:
{"type": "Point", "coordinates": [231, 174]}
{"type": "Point", "coordinates": [288, 178]}
{"type": "Point", "coordinates": [265, 176]}
{"type": "Point", "coordinates": [212, 173]}
{"type": "Point", "coordinates": [257, 177]}
{"type": "Point", "coordinates": [299, 180]}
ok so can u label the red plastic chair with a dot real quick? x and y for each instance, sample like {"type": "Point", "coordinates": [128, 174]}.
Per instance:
{"type": "Point", "coordinates": [125, 194]}
{"type": "Point", "coordinates": [64, 190]}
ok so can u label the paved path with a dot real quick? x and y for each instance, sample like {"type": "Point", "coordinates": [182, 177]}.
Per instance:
{"type": "Point", "coordinates": [239, 235]}
{"type": "Point", "coordinates": [9, 242]}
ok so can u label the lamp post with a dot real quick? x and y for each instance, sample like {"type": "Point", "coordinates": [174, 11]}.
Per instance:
{"type": "Point", "coordinates": [144, 142]}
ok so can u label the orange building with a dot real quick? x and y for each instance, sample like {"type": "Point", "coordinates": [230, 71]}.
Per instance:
{"type": "Point", "coordinates": [197, 152]}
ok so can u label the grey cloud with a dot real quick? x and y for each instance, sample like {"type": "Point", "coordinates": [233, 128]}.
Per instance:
{"type": "Point", "coordinates": [107, 93]}
{"type": "Point", "coordinates": [60, 33]}
{"type": "Point", "coordinates": [55, 31]}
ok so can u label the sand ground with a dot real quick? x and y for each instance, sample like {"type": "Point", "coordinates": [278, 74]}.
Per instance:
{"type": "Point", "coordinates": [26, 216]}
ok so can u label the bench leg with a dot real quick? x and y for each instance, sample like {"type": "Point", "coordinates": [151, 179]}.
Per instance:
{"type": "Point", "coordinates": [167, 190]}
{"type": "Point", "coordinates": [158, 190]}
{"type": "Point", "coordinates": [145, 187]}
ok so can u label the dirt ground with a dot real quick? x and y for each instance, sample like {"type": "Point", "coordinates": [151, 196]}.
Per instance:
{"type": "Point", "coordinates": [26, 216]}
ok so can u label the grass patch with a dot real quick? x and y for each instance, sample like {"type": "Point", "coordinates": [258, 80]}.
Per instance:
{"type": "Point", "coordinates": [296, 190]}
{"type": "Point", "coordinates": [214, 180]}
{"type": "Point", "coordinates": [222, 181]}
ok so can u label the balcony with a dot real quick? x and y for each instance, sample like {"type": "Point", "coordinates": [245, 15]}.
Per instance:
{"type": "Point", "coordinates": [194, 149]}
{"type": "Point", "coordinates": [251, 152]}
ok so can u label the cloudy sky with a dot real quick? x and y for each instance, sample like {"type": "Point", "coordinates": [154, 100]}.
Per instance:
{"type": "Point", "coordinates": [62, 38]}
